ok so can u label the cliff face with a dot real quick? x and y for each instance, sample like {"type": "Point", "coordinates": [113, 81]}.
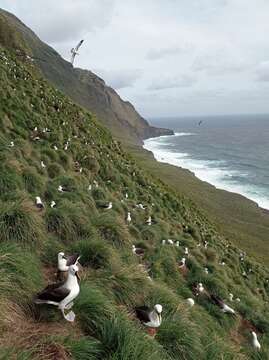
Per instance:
{"type": "Point", "coordinates": [83, 86]}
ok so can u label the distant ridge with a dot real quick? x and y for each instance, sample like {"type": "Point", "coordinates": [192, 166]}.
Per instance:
{"type": "Point", "coordinates": [83, 86]}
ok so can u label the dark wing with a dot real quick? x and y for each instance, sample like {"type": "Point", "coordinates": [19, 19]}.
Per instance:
{"type": "Point", "coordinates": [54, 292]}
{"type": "Point", "coordinates": [79, 45]}
{"type": "Point", "coordinates": [142, 313]}
{"type": "Point", "coordinates": [72, 259]}
{"type": "Point", "coordinates": [216, 300]}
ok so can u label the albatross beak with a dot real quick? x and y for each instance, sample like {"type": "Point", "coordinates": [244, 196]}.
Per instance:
{"type": "Point", "coordinates": [77, 275]}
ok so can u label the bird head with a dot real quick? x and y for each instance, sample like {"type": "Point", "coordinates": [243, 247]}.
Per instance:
{"type": "Point", "coordinates": [61, 255]}
{"type": "Point", "coordinates": [73, 270]}
{"type": "Point", "coordinates": [158, 308]}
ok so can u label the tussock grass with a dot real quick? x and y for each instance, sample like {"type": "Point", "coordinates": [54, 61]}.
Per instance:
{"type": "Point", "coordinates": [18, 223]}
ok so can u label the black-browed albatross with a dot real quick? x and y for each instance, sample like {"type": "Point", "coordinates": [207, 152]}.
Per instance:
{"type": "Point", "coordinates": [62, 294]}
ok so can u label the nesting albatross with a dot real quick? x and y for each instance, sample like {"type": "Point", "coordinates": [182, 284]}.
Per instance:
{"type": "Point", "coordinates": [151, 318]}
{"type": "Point", "coordinates": [62, 294]}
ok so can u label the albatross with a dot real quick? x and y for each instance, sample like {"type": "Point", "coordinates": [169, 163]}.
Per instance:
{"type": "Point", "coordinates": [74, 51]}
{"type": "Point", "coordinates": [62, 294]}
{"type": "Point", "coordinates": [219, 302]}
{"type": "Point", "coordinates": [255, 342]}
{"type": "Point", "coordinates": [151, 318]}
{"type": "Point", "coordinates": [64, 262]}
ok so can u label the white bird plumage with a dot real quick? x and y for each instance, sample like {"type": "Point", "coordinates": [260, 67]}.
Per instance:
{"type": "Point", "coordinates": [255, 341]}
{"type": "Point", "coordinates": [74, 51]}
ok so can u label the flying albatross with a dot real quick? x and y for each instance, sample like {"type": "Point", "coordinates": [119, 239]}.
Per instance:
{"type": "Point", "coordinates": [62, 294]}
{"type": "Point", "coordinates": [74, 51]}
{"type": "Point", "coordinates": [151, 318]}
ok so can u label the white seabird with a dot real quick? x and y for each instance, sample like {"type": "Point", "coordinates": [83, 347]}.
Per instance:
{"type": "Point", "coordinates": [148, 221]}
{"type": "Point", "coordinates": [182, 262]}
{"type": "Point", "coordinates": [52, 204]}
{"type": "Point", "coordinates": [129, 219]}
{"type": "Point", "coordinates": [255, 342]}
{"type": "Point", "coordinates": [138, 251]}
{"type": "Point", "coordinates": [43, 164]}
{"type": "Point", "coordinates": [177, 243]}
{"type": "Point", "coordinates": [219, 302]}
{"type": "Point", "coordinates": [39, 203]}
{"type": "Point", "coordinates": [107, 206]}
{"type": "Point", "coordinates": [186, 251]}
{"type": "Point", "coordinates": [190, 302]}
{"type": "Point", "coordinates": [151, 318]}
{"type": "Point", "coordinates": [62, 294]}
{"type": "Point", "coordinates": [74, 51]}
{"type": "Point", "coordinates": [170, 242]}
{"type": "Point", "coordinates": [163, 242]}
{"type": "Point", "coordinates": [64, 262]}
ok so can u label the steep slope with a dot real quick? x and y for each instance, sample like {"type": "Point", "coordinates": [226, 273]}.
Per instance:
{"type": "Point", "coordinates": [83, 86]}
{"type": "Point", "coordinates": [46, 140]}
{"type": "Point", "coordinates": [238, 218]}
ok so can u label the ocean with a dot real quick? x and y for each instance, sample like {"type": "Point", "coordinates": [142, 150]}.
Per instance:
{"type": "Point", "coordinates": [229, 152]}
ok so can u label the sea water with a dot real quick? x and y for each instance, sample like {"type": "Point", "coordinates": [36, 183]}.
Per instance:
{"type": "Point", "coordinates": [229, 152]}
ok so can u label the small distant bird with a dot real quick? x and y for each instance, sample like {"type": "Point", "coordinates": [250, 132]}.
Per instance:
{"type": "Point", "coordinates": [190, 302]}
{"type": "Point", "coordinates": [129, 219]}
{"type": "Point", "coordinates": [163, 242]}
{"type": "Point", "coordinates": [231, 297]}
{"type": "Point", "coordinates": [52, 204]}
{"type": "Point", "coordinates": [219, 302]}
{"type": "Point", "coordinates": [148, 221]}
{"type": "Point", "coordinates": [39, 203]}
{"type": "Point", "coordinates": [61, 188]}
{"type": "Point", "coordinates": [126, 196]}
{"type": "Point", "coordinates": [62, 294]}
{"type": "Point", "coordinates": [255, 342]}
{"type": "Point", "coordinates": [200, 122]}
{"type": "Point", "coordinates": [206, 270]}
{"type": "Point", "coordinates": [182, 262]}
{"type": "Point", "coordinates": [138, 251]}
{"type": "Point", "coordinates": [186, 251]}
{"type": "Point", "coordinates": [177, 243]}
{"type": "Point", "coordinates": [89, 187]}
{"type": "Point", "coordinates": [237, 299]}
{"type": "Point", "coordinates": [11, 144]}
{"type": "Point", "coordinates": [170, 242]}
{"type": "Point", "coordinates": [141, 206]}
{"type": "Point", "coordinates": [43, 164]}
{"type": "Point", "coordinates": [55, 147]}
{"type": "Point", "coordinates": [198, 289]}
{"type": "Point", "coordinates": [74, 51]}
{"type": "Point", "coordinates": [205, 244]}
{"type": "Point", "coordinates": [107, 206]}
{"type": "Point", "coordinates": [151, 318]}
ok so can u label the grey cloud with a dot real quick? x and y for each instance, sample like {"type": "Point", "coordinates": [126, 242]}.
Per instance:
{"type": "Point", "coordinates": [183, 81]}
{"type": "Point", "coordinates": [59, 21]}
{"type": "Point", "coordinates": [262, 72]}
{"type": "Point", "coordinates": [218, 64]}
{"type": "Point", "coordinates": [156, 54]}
{"type": "Point", "coordinates": [119, 79]}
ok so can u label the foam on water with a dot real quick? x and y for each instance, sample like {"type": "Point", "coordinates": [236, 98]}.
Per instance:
{"type": "Point", "coordinates": [213, 172]}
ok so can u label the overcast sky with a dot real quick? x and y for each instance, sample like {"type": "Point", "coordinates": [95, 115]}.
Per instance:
{"type": "Point", "coordinates": [168, 57]}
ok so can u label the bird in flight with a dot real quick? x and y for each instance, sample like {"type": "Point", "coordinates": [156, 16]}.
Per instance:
{"type": "Point", "coordinates": [74, 51]}
{"type": "Point", "coordinates": [200, 122]}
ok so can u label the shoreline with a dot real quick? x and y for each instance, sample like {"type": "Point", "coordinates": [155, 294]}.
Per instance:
{"type": "Point", "coordinates": [199, 170]}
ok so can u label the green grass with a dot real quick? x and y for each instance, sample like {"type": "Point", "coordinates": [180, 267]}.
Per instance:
{"type": "Point", "coordinates": [114, 279]}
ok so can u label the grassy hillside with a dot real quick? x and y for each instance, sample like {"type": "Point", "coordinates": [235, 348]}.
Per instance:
{"type": "Point", "coordinates": [83, 86]}
{"type": "Point", "coordinates": [78, 152]}
{"type": "Point", "coordinates": [239, 219]}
